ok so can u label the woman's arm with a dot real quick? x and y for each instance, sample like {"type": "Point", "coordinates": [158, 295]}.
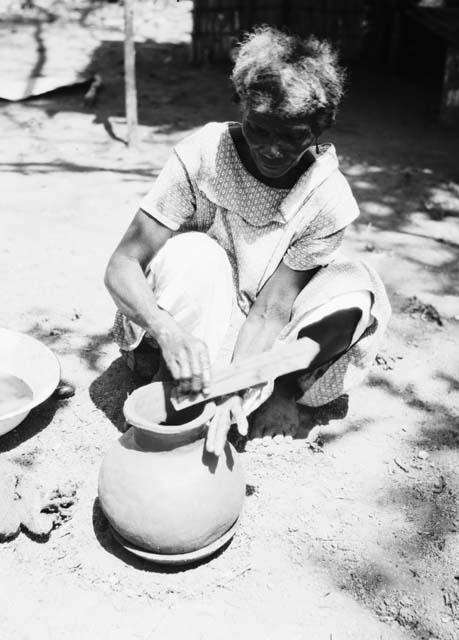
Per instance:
{"type": "Point", "coordinates": [186, 356]}
{"type": "Point", "coordinates": [271, 311]}
{"type": "Point", "coordinates": [269, 314]}
{"type": "Point", "coordinates": [125, 273]}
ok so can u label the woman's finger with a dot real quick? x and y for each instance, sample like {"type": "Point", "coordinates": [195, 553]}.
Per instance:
{"type": "Point", "coordinates": [184, 362]}
{"type": "Point", "coordinates": [221, 432]}
{"type": "Point", "coordinates": [205, 368]}
{"type": "Point", "coordinates": [185, 371]}
{"type": "Point", "coordinates": [196, 369]}
{"type": "Point", "coordinates": [172, 360]}
{"type": "Point", "coordinates": [239, 416]}
{"type": "Point", "coordinates": [172, 365]}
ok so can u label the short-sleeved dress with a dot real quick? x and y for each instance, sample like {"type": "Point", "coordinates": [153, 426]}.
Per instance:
{"type": "Point", "coordinates": [205, 187]}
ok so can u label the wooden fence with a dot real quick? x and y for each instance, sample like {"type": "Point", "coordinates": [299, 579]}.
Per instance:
{"type": "Point", "coordinates": [218, 24]}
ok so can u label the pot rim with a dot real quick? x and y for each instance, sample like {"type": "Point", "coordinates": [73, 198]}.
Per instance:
{"type": "Point", "coordinates": [139, 422]}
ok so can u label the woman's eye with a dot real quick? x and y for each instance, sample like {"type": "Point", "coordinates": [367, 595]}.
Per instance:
{"type": "Point", "coordinates": [256, 130]}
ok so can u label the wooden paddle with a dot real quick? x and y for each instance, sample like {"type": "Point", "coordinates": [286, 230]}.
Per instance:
{"type": "Point", "coordinates": [152, 402]}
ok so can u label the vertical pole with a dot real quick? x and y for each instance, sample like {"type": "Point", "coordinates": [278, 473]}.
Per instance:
{"type": "Point", "coordinates": [449, 109]}
{"type": "Point", "coordinates": [129, 74]}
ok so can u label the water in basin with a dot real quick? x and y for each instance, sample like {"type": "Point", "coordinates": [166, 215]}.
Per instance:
{"type": "Point", "coordinates": [14, 393]}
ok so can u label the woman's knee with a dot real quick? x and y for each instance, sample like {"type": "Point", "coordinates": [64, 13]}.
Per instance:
{"type": "Point", "coordinates": [192, 251]}
{"type": "Point", "coordinates": [191, 269]}
{"type": "Point", "coordinates": [334, 333]}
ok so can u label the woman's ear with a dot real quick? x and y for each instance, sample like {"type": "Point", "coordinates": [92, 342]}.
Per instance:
{"type": "Point", "coordinates": [236, 98]}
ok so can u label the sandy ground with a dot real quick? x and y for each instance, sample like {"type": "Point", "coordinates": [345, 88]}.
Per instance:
{"type": "Point", "coordinates": [357, 540]}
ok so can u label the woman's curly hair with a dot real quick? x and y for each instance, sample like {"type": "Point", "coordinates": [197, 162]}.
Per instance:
{"type": "Point", "coordinates": [279, 73]}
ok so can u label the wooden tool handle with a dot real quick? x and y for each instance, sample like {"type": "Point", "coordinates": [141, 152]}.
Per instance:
{"type": "Point", "coordinates": [254, 370]}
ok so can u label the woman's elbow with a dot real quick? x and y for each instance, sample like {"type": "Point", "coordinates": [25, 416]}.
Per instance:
{"type": "Point", "coordinates": [110, 273]}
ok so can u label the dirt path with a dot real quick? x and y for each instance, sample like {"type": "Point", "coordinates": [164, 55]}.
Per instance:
{"type": "Point", "coordinates": [358, 540]}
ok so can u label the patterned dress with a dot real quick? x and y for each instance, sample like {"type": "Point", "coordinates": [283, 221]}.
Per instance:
{"type": "Point", "coordinates": [205, 187]}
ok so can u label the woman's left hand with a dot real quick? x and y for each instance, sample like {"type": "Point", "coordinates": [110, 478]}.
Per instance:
{"type": "Point", "coordinates": [229, 411]}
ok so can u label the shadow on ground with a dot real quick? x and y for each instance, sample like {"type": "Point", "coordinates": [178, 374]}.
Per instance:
{"type": "Point", "coordinates": [106, 539]}
{"type": "Point", "coordinates": [401, 189]}
{"type": "Point", "coordinates": [110, 390]}
{"type": "Point", "coordinates": [421, 493]}
{"type": "Point", "coordinates": [173, 95]}
{"type": "Point", "coordinates": [37, 420]}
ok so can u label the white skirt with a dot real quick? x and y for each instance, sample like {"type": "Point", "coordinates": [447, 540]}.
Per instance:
{"type": "Point", "coordinates": [192, 280]}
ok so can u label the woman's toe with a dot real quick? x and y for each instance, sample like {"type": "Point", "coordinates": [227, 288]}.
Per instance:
{"type": "Point", "coordinates": [270, 431]}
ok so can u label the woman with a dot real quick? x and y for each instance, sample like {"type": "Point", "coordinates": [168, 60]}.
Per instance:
{"type": "Point", "coordinates": [236, 246]}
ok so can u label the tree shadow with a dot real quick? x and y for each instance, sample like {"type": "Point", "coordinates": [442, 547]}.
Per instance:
{"type": "Point", "coordinates": [50, 336]}
{"type": "Point", "coordinates": [29, 168]}
{"type": "Point", "coordinates": [413, 515]}
{"type": "Point", "coordinates": [86, 11]}
{"type": "Point", "coordinates": [41, 58]}
{"type": "Point", "coordinates": [173, 96]}
{"type": "Point", "coordinates": [93, 349]}
{"type": "Point", "coordinates": [434, 411]}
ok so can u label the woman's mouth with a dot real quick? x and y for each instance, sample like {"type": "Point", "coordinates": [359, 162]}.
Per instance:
{"type": "Point", "coordinates": [273, 164]}
{"type": "Point", "coordinates": [270, 162]}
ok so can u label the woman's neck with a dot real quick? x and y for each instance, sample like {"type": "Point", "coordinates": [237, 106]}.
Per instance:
{"type": "Point", "coordinates": [287, 181]}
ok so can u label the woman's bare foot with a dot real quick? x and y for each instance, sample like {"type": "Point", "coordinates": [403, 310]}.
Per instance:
{"type": "Point", "coordinates": [277, 419]}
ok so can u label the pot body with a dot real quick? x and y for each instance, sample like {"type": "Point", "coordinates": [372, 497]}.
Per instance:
{"type": "Point", "coordinates": [165, 493]}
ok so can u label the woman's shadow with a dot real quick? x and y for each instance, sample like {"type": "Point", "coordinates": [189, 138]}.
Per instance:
{"type": "Point", "coordinates": [110, 390]}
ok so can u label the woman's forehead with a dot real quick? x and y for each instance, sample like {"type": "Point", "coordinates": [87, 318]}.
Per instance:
{"type": "Point", "coordinates": [277, 121]}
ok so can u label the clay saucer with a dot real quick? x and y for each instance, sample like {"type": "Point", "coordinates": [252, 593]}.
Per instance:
{"type": "Point", "coordinates": [178, 558]}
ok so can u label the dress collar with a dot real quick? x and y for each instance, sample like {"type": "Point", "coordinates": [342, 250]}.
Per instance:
{"type": "Point", "coordinates": [326, 162]}
{"type": "Point", "coordinates": [289, 201]}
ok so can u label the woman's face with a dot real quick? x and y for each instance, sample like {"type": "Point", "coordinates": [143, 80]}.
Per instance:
{"type": "Point", "coordinates": [276, 144]}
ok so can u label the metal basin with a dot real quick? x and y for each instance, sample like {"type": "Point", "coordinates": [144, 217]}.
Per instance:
{"type": "Point", "coordinates": [29, 373]}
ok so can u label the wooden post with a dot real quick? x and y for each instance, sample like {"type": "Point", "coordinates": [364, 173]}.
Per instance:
{"type": "Point", "coordinates": [129, 74]}
{"type": "Point", "coordinates": [449, 110]}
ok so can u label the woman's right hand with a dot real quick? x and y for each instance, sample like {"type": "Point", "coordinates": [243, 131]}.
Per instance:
{"type": "Point", "coordinates": [186, 357]}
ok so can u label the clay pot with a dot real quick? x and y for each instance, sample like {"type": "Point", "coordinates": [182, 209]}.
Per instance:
{"type": "Point", "coordinates": [161, 490]}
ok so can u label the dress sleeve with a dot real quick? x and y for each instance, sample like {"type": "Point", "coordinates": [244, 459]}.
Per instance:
{"type": "Point", "coordinates": [171, 200]}
{"type": "Point", "coordinates": [307, 252]}
{"type": "Point", "coordinates": [319, 241]}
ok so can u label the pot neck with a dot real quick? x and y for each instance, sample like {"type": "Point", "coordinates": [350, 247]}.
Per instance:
{"type": "Point", "coordinates": [155, 440]}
